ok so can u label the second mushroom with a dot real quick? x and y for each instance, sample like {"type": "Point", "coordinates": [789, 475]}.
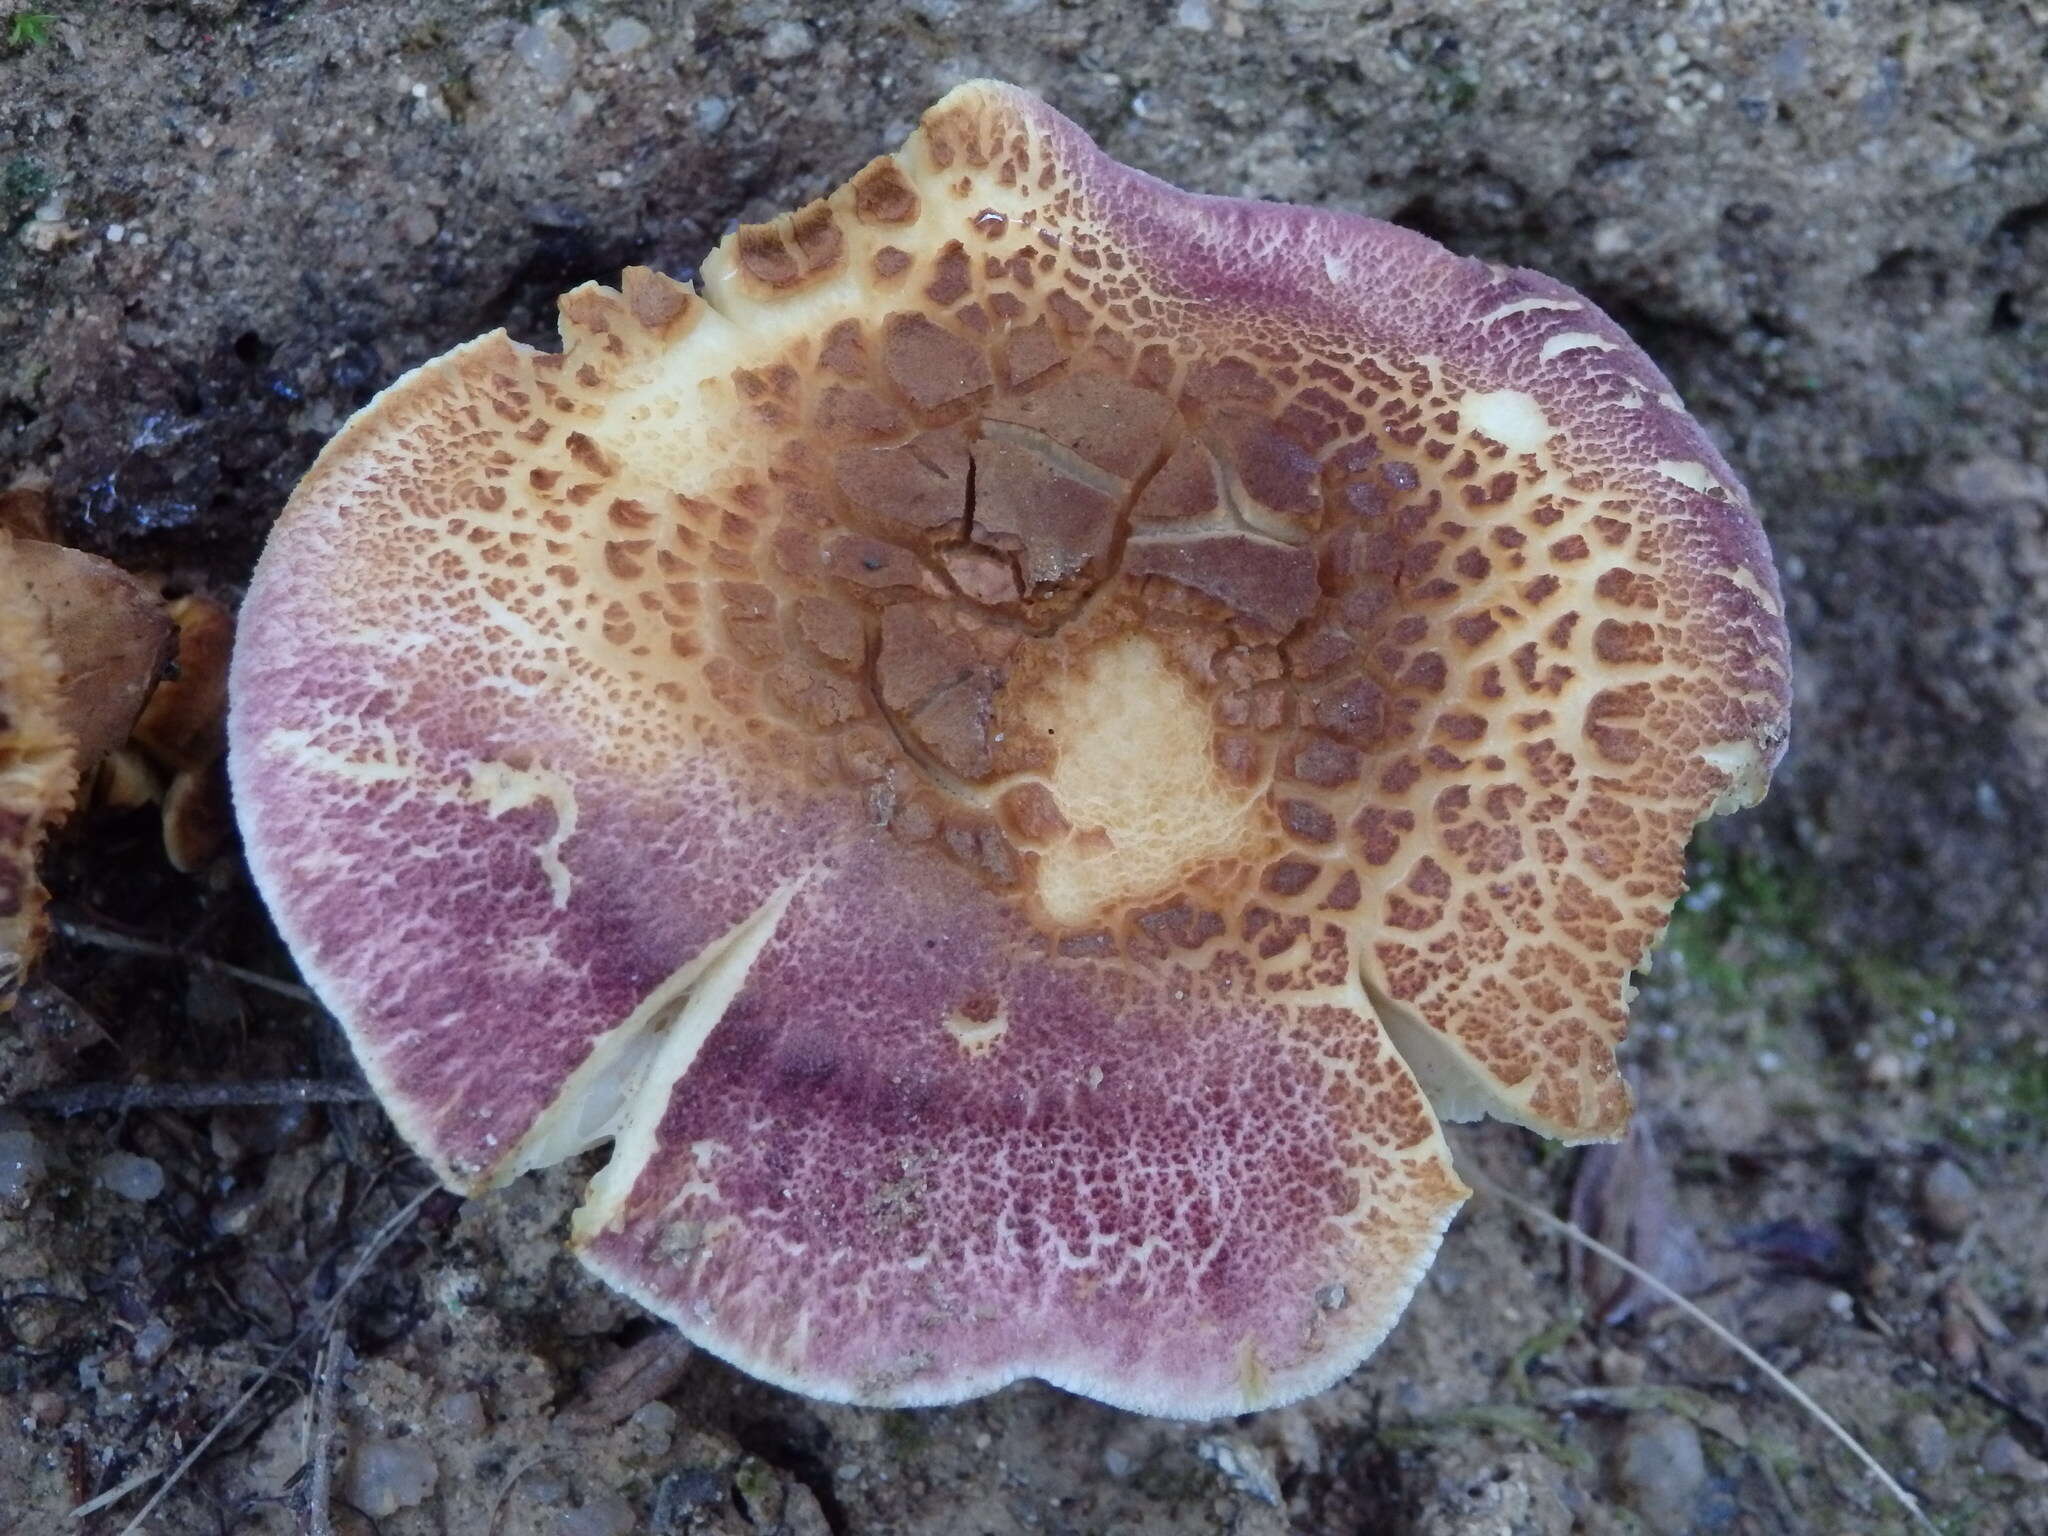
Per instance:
{"type": "Point", "coordinates": [1012, 755]}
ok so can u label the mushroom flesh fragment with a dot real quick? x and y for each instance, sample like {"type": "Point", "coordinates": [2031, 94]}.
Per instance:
{"type": "Point", "coordinates": [81, 643]}
{"type": "Point", "coordinates": [1004, 754]}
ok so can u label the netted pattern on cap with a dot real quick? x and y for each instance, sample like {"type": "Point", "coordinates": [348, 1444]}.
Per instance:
{"type": "Point", "coordinates": [1004, 754]}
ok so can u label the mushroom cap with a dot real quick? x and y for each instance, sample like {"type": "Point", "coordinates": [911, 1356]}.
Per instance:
{"type": "Point", "coordinates": [997, 750]}
{"type": "Point", "coordinates": [38, 775]}
{"type": "Point", "coordinates": [182, 727]}
{"type": "Point", "coordinates": [183, 730]}
{"type": "Point", "coordinates": [80, 643]}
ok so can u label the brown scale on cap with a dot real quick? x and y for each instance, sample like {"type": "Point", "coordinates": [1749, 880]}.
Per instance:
{"type": "Point", "coordinates": [1250, 602]}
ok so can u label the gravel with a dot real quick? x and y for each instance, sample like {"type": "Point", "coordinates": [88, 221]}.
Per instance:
{"type": "Point", "coordinates": [1660, 1467]}
{"type": "Point", "coordinates": [2004, 1456]}
{"type": "Point", "coordinates": [1948, 1200]}
{"type": "Point", "coordinates": [1926, 1440]}
{"type": "Point", "coordinates": [385, 1476]}
{"type": "Point", "coordinates": [131, 1177]}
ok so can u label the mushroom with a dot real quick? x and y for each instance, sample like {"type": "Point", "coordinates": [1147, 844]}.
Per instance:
{"type": "Point", "coordinates": [81, 641]}
{"type": "Point", "coordinates": [182, 731]}
{"type": "Point", "coordinates": [1004, 753]}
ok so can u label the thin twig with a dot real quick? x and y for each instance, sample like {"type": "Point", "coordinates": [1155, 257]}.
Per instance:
{"type": "Point", "coordinates": [383, 1238]}
{"type": "Point", "coordinates": [1991, 1392]}
{"type": "Point", "coordinates": [128, 944]}
{"type": "Point", "coordinates": [319, 1492]}
{"type": "Point", "coordinates": [94, 1098]}
{"type": "Point", "coordinates": [642, 1374]}
{"type": "Point", "coordinates": [1771, 1373]}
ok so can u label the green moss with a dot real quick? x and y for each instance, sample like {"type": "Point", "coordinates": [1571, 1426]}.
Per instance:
{"type": "Point", "coordinates": [1504, 1420]}
{"type": "Point", "coordinates": [1536, 1347]}
{"type": "Point", "coordinates": [1757, 941]}
{"type": "Point", "coordinates": [23, 184]}
{"type": "Point", "coordinates": [1745, 930]}
{"type": "Point", "coordinates": [1891, 987]}
{"type": "Point", "coordinates": [2027, 1091]}
{"type": "Point", "coordinates": [1454, 90]}
{"type": "Point", "coordinates": [1782, 1456]}
{"type": "Point", "coordinates": [1177, 1478]}
{"type": "Point", "coordinates": [907, 1433]}
{"type": "Point", "coordinates": [29, 29]}
{"type": "Point", "coordinates": [757, 1483]}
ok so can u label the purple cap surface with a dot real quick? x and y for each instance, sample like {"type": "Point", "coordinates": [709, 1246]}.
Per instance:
{"type": "Point", "coordinates": [1012, 755]}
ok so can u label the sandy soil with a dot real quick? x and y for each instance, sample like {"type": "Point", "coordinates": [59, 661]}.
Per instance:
{"type": "Point", "coordinates": [224, 224]}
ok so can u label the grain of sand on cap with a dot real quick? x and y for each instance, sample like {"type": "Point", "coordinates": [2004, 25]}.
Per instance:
{"type": "Point", "coordinates": [989, 751]}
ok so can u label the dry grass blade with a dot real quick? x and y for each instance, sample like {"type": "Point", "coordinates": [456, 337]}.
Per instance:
{"type": "Point", "coordinates": [1776, 1377]}
{"type": "Point", "coordinates": [382, 1239]}
{"type": "Point", "coordinates": [112, 1496]}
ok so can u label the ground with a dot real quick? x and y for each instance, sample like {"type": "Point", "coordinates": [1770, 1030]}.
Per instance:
{"type": "Point", "coordinates": [225, 223]}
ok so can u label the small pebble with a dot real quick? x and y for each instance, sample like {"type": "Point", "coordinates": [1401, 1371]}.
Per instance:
{"type": "Point", "coordinates": [546, 1489]}
{"type": "Point", "coordinates": [46, 229]}
{"type": "Point", "coordinates": [787, 41]}
{"type": "Point", "coordinates": [626, 35]}
{"type": "Point", "coordinates": [654, 1418]}
{"type": "Point", "coordinates": [657, 1430]}
{"type": "Point", "coordinates": [1118, 1462]}
{"type": "Point", "coordinates": [1926, 1440]}
{"type": "Point", "coordinates": [1247, 1467]}
{"type": "Point", "coordinates": [547, 47]}
{"type": "Point", "coordinates": [131, 1177]}
{"type": "Point", "coordinates": [1661, 1468]}
{"type": "Point", "coordinates": [463, 1412]}
{"type": "Point", "coordinates": [1948, 1200]}
{"type": "Point", "coordinates": [602, 1514]}
{"type": "Point", "coordinates": [385, 1476]}
{"type": "Point", "coordinates": [417, 226]}
{"type": "Point", "coordinates": [2006, 1457]}
{"type": "Point", "coordinates": [1194, 15]}
{"type": "Point", "coordinates": [151, 1340]}
{"type": "Point", "coordinates": [48, 1408]}
{"type": "Point", "coordinates": [690, 1488]}
{"type": "Point", "coordinates": [711, 114]}
{"type": "Point", "coordinates": [1619, 1368]}
{"type": "Point", "coordinates": [22, 1167]}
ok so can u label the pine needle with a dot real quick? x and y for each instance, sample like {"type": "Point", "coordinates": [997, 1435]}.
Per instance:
{"type": "Point", "coordinates": [1771, 1373]}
